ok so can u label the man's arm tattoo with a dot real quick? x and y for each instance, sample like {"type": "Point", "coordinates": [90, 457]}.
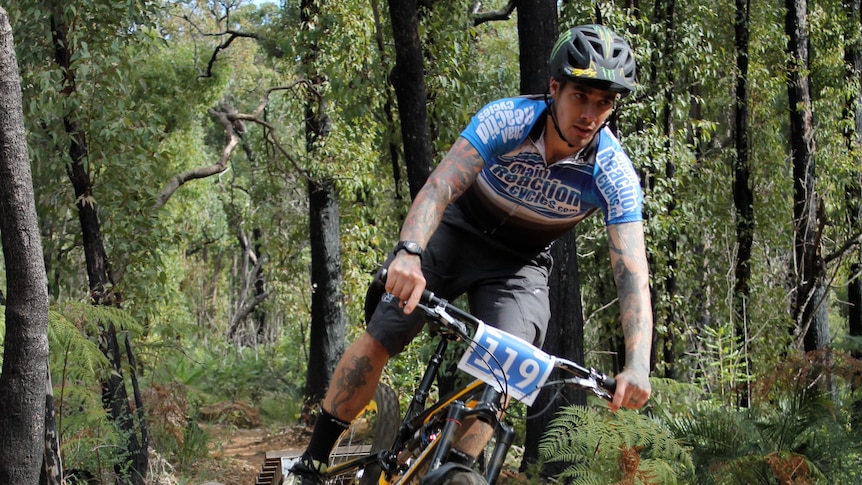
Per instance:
{"type": "Point", "coordinates": [631, 275]}
{"type": "Point", "coordinates": [456, 173]}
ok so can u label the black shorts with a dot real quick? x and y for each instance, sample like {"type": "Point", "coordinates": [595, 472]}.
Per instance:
{"type": "Point", "coordinates": [505, 289]}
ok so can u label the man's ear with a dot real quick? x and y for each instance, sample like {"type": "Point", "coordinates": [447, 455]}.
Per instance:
{"type": "Point", "coordinates": [553, 87]}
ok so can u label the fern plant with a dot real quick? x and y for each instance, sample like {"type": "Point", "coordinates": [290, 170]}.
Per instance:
{"type": "Point", "coordinates": [798, 430]}
{"type": "Point", "coordinates": [622, 448]}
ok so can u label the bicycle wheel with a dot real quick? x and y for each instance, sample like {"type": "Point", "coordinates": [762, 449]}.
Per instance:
{"type": "Point", "coordinates": [373, 429]}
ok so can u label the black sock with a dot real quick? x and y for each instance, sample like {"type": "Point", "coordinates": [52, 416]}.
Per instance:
{"type": "Point", "coordinates": [327, 429]}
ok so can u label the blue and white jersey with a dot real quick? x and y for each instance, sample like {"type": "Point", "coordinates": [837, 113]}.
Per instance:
{"type": "Point", "coordinates": [527, 203]}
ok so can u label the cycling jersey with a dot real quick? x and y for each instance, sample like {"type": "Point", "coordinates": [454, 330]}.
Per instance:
{"type": "Point", "coordinates": [526, 203]}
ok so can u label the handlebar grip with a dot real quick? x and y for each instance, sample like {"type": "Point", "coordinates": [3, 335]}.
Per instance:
{"type": "Point", "coordinates": [426, 297]}
{"type": "Point", "coordinates": [609, 384]}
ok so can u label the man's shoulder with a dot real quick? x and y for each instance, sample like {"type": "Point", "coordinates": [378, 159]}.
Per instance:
{"type": "Point", "coordinates": [503, 124]}
{"type": "Point", "coordinates": [531, 103]}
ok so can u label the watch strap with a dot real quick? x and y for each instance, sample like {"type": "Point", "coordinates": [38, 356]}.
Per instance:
{"type": "Point", "coordinates": [410, 247]}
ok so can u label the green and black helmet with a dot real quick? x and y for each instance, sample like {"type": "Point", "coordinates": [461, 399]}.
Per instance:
{"type": "Point", "coordinates": [596, 56]}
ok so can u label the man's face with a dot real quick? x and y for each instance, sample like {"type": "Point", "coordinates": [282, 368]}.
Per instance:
{"type": "Point", "coordinates": [581, 110]}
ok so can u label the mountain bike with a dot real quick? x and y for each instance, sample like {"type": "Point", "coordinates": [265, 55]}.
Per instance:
{"type": "Point", "coordinates": [502, 365]}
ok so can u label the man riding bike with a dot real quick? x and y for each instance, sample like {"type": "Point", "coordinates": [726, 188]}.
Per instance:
{"type": "Point", "coordinates": [525, 171]}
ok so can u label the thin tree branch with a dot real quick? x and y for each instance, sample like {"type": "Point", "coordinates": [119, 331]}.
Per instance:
{"type": "Point", "coordinates": [231, 121]}
{"type": "Point", "coordinates": [224, 45]}
{"type": "Point", "coordinates": [848, 245]}
{"type": "Point", "coordinates": [203, 172]}
{"type": "Point", "coordinates": [479, 18]}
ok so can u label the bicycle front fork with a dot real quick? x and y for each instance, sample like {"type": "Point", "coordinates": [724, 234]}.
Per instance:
{"type": "Point", "coordinates": [488, 412]}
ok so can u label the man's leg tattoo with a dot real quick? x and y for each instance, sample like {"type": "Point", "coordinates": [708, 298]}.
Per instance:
{"type": "Point", "coordinates": [349, 381]}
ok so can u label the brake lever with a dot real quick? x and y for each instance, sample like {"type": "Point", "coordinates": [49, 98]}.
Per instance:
{"type": "Point", "coordinates": [439, 313]}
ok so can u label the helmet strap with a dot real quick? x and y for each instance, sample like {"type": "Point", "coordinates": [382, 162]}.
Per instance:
{"type": "Point", "coordinates": [556, 123]}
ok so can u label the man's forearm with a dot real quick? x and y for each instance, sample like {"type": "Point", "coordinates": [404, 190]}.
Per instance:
{"type": "Point", "coordinates": [631, 274]}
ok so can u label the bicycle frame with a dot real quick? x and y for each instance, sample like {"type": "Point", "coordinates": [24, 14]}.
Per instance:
{"type": "Point", "coordinates": [453, 409]}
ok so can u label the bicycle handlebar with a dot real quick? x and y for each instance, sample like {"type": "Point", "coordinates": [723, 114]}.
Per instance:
{"type": "Point", "coordinates": [454, 319]}
{"type": "Point", "coordinates": [586, 378]}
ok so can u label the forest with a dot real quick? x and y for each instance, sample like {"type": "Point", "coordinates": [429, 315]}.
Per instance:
{"type": "Point", "coordinates": [196, 194]}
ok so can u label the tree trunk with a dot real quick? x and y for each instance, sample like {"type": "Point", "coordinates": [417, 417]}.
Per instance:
{"type": "Point", "coordinates": [853, 112]}
{"type": "Point", "coordinates": [25, 352]}
{"type": "Point", "coordinates": [327, 311]}
{"type": "Point", "coordinates": [565, 338]}
{"type": "Point", "coordinates": [743, 196]}
{"type": "Point", "coordinates": [408, 79]}
{"type": "Point", "coordinates": [114, 395]}
{"type": "Point", "coordinates": [537, 32]}
{"type": "Point", "coordinates": [808, 272]}
{"type": "Point", "coordinates": [52, 466]}
{"type": "Point", "coordinates": [669, 352]}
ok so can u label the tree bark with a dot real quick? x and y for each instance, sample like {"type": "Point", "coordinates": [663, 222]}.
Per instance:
{"type": "Point", "coordinates": [25, 353]}
{"type": "Point", "coordinates": [743, 196]}
{"type": "Point", "coordinates": [408, 79]}
{"type": "Point", "coordinates": [809, 288]}
{"type": "Point", "coordinates": [537, 31]}
{"type": "Point", "coordinates": [853, 112]}
{"type": "Point", "coordinates": [665, 13]}
{"type": "Point", "coordinates": [327, 310]}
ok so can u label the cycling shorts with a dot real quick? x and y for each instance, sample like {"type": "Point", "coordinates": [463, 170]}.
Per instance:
{"type": "Point", "coordinates": [505, 289]}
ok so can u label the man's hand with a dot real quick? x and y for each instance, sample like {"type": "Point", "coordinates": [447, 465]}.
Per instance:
{"type": "Point", "coordinates": [405, 280]}
{"type": "Point", "coordinates": [633, 390]}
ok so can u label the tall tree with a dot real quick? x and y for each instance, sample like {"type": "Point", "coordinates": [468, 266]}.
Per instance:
{"type": "Point", "coordinates": [408, 79]}
{"type": "Point", "coordinates": [538, 28]}
{"type": "Point", "coordinates": [743, 196]}
{"type": "Point", "coordinates": [853, 137]}
{"type": "Point", "coordinates": [809, 304]}
{"type": "Point", "coordinates": [327, 311]}
{"type": "Point", "coordinates": [665, 15]}
{"type": "Point", "coordinates": [114, 394]}
{"type": "Point", "coordinates": [25, 353]}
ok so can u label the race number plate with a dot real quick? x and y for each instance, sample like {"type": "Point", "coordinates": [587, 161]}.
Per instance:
{"type": "Point", "coordinates": [499, 358]}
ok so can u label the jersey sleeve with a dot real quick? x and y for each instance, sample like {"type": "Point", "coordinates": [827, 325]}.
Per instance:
{"type": "Point", "coordinates": [616, 182]}
{"type": "Point", "coordinates": [502, 125]}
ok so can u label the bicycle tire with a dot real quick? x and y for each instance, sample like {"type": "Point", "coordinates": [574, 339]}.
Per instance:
{"type": "Point", "coordinates": [373, 429]}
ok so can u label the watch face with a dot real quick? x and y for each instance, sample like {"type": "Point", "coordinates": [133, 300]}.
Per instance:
{"type": "Point", "coordinates": [411, 247]}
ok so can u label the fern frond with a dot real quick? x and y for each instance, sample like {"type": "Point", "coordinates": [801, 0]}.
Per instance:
{"type": "Point", "coordinates": [92, 318]}
{"type": "Point", "coordinates": [611, 445]}
{"type": "Point", "coordinates": [71, 351]}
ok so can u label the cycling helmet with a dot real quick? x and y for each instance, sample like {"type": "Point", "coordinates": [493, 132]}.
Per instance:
{"type": "Point", "coordinates": [594, 55]}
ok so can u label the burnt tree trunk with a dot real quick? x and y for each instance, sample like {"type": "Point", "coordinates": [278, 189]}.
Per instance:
{"type": "Point", "coordinates": [808, 307]}
{"type": "Point", "coordinates": [665, 15]}
{"type": "Point", "coordinates": [327, 311]}
{"type": "Point", "coordinates": [25, 350]}
{"type": "Point", "coordinates": [853, 112]}
{"type": "Point", "coordinates": [743, 196]}
{"type": "Point", "coordinates": [408, 79]}
{"type": "Point", "coordinates": [114, 395]}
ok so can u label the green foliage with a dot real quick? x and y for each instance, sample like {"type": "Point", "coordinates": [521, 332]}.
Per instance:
{"type": "Point", "coordinates": [625, 447]}
{"type": "Point", "coordinates": [796, 431]}
{"type": "Point", "coordinates": [78, 367]}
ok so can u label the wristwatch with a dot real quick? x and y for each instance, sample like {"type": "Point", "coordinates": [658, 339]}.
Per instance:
{"type": "Point", "coordinates": [410, 246]}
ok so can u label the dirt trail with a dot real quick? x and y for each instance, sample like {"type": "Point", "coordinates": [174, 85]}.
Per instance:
{"type": "Point", "coordinates": [239, 453]}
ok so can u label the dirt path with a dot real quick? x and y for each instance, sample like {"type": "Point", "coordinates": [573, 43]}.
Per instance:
{"type": "Point", "coordinates": [236, 455]}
